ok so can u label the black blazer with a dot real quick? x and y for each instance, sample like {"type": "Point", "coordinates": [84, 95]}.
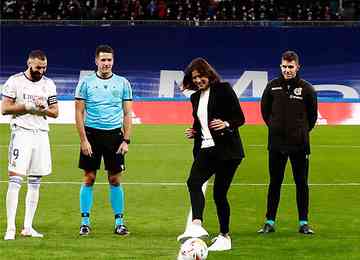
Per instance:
{"type": "Point", "coordinates": [223, 104]}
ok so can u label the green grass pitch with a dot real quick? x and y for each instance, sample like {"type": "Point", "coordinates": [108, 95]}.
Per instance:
{"type": "Point", "coordinates": [156, 211]}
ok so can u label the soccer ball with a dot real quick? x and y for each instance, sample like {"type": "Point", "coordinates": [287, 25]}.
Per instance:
{"type": "Point", "coordinates": [193, 249]}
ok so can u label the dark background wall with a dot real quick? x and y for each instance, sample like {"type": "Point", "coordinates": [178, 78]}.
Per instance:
{"type": "Point", "coordinates": [327, 55]}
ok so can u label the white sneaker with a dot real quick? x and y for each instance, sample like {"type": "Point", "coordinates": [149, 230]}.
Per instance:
{"type": "Point", "coordinates": [193, 230]}
{"type": "Point", "coordinates": [30, 232]}
{"type": "Point", "coordinates": [220, 243]}
{"type": "Point", "coordinates": [10, 234]}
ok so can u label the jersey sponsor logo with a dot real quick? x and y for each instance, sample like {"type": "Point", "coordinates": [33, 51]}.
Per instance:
{"type": "Point", "coordinates": [297, 91]}
{"type": "Point", "coordinates": [296, 97]}
{"type": "Point", "coordinates": [32, 98]}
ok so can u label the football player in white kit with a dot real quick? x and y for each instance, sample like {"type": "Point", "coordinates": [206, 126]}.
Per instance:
{"type": "Point", "coordinates": [30, 98]}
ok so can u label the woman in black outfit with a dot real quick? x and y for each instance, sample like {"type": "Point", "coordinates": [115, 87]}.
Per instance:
{"type": "Point", "coordinates": [217, 146]}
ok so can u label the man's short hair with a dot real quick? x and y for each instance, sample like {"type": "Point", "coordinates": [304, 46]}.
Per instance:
{"type": "Point", "coordinates": [103, 48]}
{"type": "Point", "coordinates": [37, 54]}
{"type": "Point", "coordinates": [290, 56]}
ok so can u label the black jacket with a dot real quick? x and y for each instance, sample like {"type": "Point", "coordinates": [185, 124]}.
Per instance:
{"type": "Point", "coordinates": [223, 104]}
{"type": "Point", "coordinates": [289, 109]}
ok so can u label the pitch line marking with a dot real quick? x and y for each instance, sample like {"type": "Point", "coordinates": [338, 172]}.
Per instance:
{"type": "Point", "coordinates": [249, 145]}
{"type": "Point", "coordinates": [184, 184]}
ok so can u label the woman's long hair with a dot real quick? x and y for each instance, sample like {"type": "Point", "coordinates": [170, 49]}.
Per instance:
{"type": "Point", "coordinates": [204, 69]}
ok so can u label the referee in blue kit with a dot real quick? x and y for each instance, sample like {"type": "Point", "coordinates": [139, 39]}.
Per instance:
{"type": "Point", "coordinates": [103, 109]}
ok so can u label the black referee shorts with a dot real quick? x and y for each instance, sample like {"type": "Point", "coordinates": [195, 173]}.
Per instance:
{"type": "Point", "coordinates": [104, 143]}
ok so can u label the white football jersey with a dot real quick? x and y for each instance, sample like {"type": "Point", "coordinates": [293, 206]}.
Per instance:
{"type": "Point", "coordinates": [21, 89]}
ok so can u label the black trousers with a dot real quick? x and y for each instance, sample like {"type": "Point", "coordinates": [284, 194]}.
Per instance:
{"type": "Point", "coordinates": [300, 168]}
{"type": "Point", "coordinates": [204, 166]}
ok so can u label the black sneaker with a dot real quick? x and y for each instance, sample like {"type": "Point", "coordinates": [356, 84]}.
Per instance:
{"type": "Point", "coordinates": [305, 229]}
{"type": "Point", "coordinates": [121, 230]}
{"type": "Point", "coordinates": [84, 230]}
{"type": "Point", "coordinates": [266, 229]}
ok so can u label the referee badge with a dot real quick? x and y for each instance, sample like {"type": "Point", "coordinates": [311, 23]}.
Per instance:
{"type": "Point", "coordinates": [115, 93]}
{"type": "Point", "coordinates": [297, 91]}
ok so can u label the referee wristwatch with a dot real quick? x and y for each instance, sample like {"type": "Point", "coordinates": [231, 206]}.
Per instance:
{"type": "Point", "coordinates": [126, 141]}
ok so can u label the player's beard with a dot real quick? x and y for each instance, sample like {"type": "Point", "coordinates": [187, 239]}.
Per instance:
{"type": "Point", "coordinates": [35, 75]}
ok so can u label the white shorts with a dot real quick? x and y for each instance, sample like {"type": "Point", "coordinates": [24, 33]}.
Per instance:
{"type": "Point", "coordinates": [29, 152]}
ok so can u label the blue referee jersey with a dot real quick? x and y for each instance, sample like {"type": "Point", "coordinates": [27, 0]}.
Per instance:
{"type": "Point", "coordinates": [103, 100]}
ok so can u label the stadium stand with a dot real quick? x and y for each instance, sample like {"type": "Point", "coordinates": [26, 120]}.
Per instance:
{"type": "Point", "coordinates": [238, 10]}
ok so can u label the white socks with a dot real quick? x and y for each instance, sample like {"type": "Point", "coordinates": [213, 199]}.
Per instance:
{"type": "Point", "coordinates": [12, 198]}
{"type": "Point", "coordinates": [31, 202]}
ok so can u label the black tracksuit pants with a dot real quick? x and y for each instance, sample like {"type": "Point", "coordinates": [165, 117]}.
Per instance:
{"type": "Point", "coordinates": [300, 168]}
{"type": "Point", "coordinates": [204, 166]}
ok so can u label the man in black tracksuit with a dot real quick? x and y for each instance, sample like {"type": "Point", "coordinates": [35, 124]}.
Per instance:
{"type": "Point", "coordinates": [289, 109]}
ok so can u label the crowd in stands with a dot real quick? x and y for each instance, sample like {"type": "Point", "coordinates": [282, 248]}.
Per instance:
{"type": "Point", "coordinates": [241, 10]}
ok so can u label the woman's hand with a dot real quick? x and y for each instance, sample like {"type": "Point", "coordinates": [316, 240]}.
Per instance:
{"type": "Point", "coordinates": [190, 133]}
{"type": "Point", "coordinates": [217, 124]}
